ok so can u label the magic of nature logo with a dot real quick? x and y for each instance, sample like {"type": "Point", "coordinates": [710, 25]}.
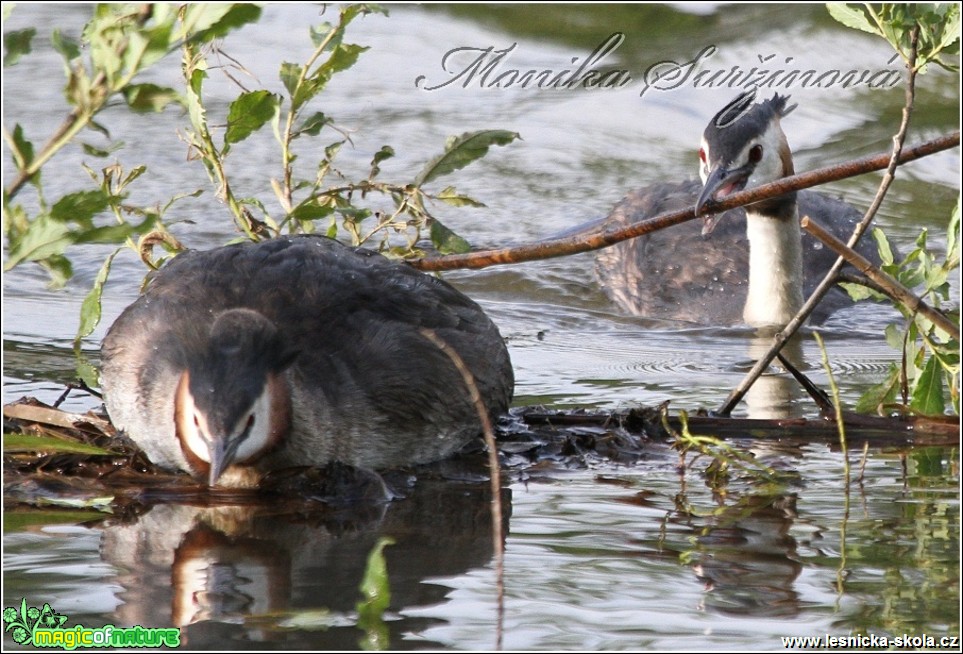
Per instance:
{"type": "Point", "coordinates": [44, 627]}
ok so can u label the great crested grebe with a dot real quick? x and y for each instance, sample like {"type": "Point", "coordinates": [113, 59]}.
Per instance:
{"type": "Point", "coordinates": [298, 351]}
{"type": "Point", "coordinates": [756, 266]}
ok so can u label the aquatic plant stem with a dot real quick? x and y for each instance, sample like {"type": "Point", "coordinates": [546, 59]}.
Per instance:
{"type": "Point", "coordinates": [837, 404]}
{"type": "Point", "coordinates": [862, 462]}
{"type": "Point", "coordinates": [498, 540]}
{"type": "Point", "coordinates": [781, 338]}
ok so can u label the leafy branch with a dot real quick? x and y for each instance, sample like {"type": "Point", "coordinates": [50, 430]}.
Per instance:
{"type": "Point", "coordinates": [306, 201]}
{"type": "Point", "coordinates": [929, 365]}
{"type": "Point", "coordinates": [938, 28]}
{"type": "Point", "coordinates": [116, 45]}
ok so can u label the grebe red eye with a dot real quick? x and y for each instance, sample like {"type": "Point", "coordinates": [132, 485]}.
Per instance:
{"type": "Point", "coordinates": [702, 155]}
{"type": "Point", "coordinates": [755, 154]}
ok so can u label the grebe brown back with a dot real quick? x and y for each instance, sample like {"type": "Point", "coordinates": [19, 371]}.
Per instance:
{"type": "Point", "coordinates": [298, 351]}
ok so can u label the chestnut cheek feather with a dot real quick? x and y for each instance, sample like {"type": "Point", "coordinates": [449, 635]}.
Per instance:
{"type": "Point", "coordinates": [280, 411]}
{"type": "Point", "coordinates": [184, 424]}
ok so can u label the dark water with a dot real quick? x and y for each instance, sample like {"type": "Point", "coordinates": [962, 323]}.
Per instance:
{"type": "Point", "coordinates": [599, 556]}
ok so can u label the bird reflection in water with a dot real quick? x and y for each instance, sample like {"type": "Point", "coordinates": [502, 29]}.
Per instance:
{"type": "Point", "coordinates": [245, 572]}
{"type": "Point", "coordinates": [747, 558]}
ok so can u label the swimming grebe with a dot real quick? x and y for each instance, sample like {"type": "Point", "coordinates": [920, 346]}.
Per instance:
{"type": "Point", "coordinates": [756, 267]}
{"type": "Point", "coordinates": [298, 351]}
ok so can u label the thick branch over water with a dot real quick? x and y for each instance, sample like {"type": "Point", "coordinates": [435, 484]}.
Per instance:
{"type": "Point", "coordinates": [560, 247]}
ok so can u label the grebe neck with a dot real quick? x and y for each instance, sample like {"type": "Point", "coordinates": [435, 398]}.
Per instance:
{"type": "Point", "coordinates": [775, 267]}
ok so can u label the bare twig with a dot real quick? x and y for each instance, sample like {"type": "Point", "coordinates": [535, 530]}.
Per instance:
{"type": "Point", "coordinates": [890, 286]}
{"type": "Point", "coordinates": [895, 158]}
{"type": "Point", "coordinates": [559, 247]}
{"type": "Point", "coordinates": [817, 394]}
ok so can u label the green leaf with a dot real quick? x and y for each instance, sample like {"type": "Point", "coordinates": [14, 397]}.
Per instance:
{"type": "Point", "coordinates": [24, 154]}
{"type": "Point", "coordinates": [248, 113]}
{"type": "Point", "coordinates": [935, 278]}
{"type": "Point", "coordinates": [97, 127]}
{"type": "Point", "coordinates": [80, 207]}
{"type": "Point", "coordinates": [17, 44]}
{"type": "Point", "coordinates": [59, 269]}
{"type": "Point", "coordinates": [342, 57]}
{"type": "Point", "coordinates": [49, 445]}
{"type": "Point", "coordinates": [319, 34]}
{"type": "Point", "coordinates": [94, 151]}
{"type": "Point", "coordinates": [376, 596]}
{"type": "Point", "coordinates": [311, 210]}
{"type": "Point", "coordinates": [290, 74]}
{"type": "Point", "coordinates": [880, 394]}
{"type": "Point", "coordinates": [951, 27]}
{"type": "Point", "coordinates": [65, 45]}
{"type": "Point", "coordinates": [153, 43]}
{"type": "Point", "coordinates": [331, 151]}
{"type": "Point", "coordinates": [912, 278]}
{"type": "Point", "coordinates": [882, 244]}
{"type": "Point", "coordinates": [136, 172]}
{"type": "Point", "coordinates": [386, 152]}
{"type": "Point", "coordinates": [195, 107]}
{"type": "Point", "coordinates": [851, 17]}
{"type": "Point", "coordinates": [90, 310]}
{"type": "Point", "coordinates": [29, 520]}
{"type": "Point", "coordinates": [45, 238]}
{"type": "Point", "coordinates": [144, 98]}
{"type": "Point", "coordinates": [894, 336]}
{"type": "Point", "coordinates": [461, 151]}
{"type": "Point", "coordinates": [85, 370]}
{"type": "Point", "coordinates": [921, 239]}
{"type": "Point", "coordinates": [858, 292]}
{"type": "Point", "coordinates": [375, 590]}
{"type": "Point", "coordinates": [310, 620]}
{"type": "Point", "coordinates": [354, 214]}
{"type": "Point", "coordinates": [205, 22]}
{"type": "Point", "coordinates": [450, 196]}
{"type": "Point", "coordinates": [927, 396]}
{"type": "Point", "coordinates": [447, 241]}
{"type": "Point", "coordinates": [350, 12]}
{"type": "Point", "coordinates": [953, 239]}
{"type": "Point", "coordinates": [313, 124]}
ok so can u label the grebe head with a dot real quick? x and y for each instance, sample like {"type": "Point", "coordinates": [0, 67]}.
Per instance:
{"type": "Point", "coordinates": [232, 403]}
{"type": "Point", "coordinates": [743, 147]}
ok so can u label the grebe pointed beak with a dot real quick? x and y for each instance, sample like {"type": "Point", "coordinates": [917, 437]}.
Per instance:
{"type": "Point", "coordinates": [221, 454]}
{"type": "Point", "coordinates": [720, 183]}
